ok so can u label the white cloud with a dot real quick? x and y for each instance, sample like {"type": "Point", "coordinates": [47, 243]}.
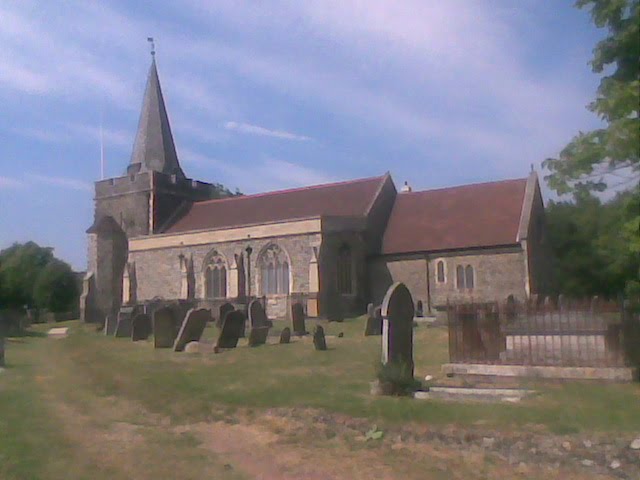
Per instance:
{"type": "Point", "coordinates": [258, 130]}
{"type": "Point", "coordinates": [62, 182]}
{"type": "Point", "coordinates": [7, 183]}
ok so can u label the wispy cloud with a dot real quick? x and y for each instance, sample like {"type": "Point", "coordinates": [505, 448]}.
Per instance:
{"type": "Point", "coordinates": [7, 183]}
{"type": "Point", "coordinates": [258, 130]}
{"type": "Point", "coordinates": [61, 182]}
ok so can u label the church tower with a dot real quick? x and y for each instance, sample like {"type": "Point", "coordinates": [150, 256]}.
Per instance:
{"type": "Point", "coordinates": [153, 191]}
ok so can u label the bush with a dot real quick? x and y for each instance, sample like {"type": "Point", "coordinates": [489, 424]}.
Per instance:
{"type": "Point", "coordinates": [396, 379]}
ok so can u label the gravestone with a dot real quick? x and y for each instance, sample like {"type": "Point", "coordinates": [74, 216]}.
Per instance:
{"type": "Point", "coordinates": [232, 327]}
{"type": "Point", "coordinates": [319, 342]}
{"type": "Point", "coordinates": [110, 322]}
{"type": "Point", "coordinates": [123, 326]}
{"type": "Point", "coordinates": [258, 336]}
{"type": "Point", "coordinates": [257, 315]}
{"type": "Point", "coordinates": [298, 319]}
{"type": "Point", "coordinates": [419, 309]}
{"type": "Point", "coordinates": [225, 308]}
{"type": "Point", "coordinates": [397, 331]}
{"type": "Point", "coordinates": [141, 327]}
{"type": "Point", "coordinates": [285, 335]}
{"type": "Point", "coordinates": [1, 349]}
{"type": "Point", "coordinates": [165, 327]}
{"type": "Point", "coordinates": [374, 322]}
{"type": "Point", "coordinates": [192, 327]}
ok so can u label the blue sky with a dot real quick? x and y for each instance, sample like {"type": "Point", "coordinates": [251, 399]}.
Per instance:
{"type": "Point", "coordinates": [276, 94]}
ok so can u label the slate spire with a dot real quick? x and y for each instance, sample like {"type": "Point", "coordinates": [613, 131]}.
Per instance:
{"type": "Point", "coordinates": [153, 149]}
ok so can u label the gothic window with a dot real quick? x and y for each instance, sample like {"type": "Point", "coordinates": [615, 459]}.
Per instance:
{"type": "Point", "coordinates": [274, 271]}
{"type": "Point", "coordinates": [345, 269]}
{"type": "Point", "coordinates": [464, 277]}
{"type": "Point", "coordinates": [216, 277]}
{"type": "Point", "coordinates": [440, 272]}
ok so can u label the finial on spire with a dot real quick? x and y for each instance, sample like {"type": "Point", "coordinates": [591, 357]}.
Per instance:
{"type": "Point", "coordinates": [153, 46]}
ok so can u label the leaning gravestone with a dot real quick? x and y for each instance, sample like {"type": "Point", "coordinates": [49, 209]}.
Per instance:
{"type": "Point", "coordinates": [141, 327]}
{"type": "Point", "coordinates": [192, 327]}
{"type": "Point", "coordinates": [225, 308]}
{"type": "Point", "coordinates": [397, 330]}
{"type": "Point", "coordinates": [123, 327]}
{"type": "Point", "coordinates": [110, 322]}
{"type": "Point", "coordinates": [257, 315]}
{"type": "Point", "coordinates": [258, 336]}
{"type": "Point", "coordinates": [374, 322]}
{"type": "Point", "coordinates": [165, 327]}
{"type": "Point", "coordinates": [232, 327]}
{"type": "Point", "coordinates": [298, 317]}
{"type": "Point", "coordinates": [285, 335]}
{"type": "Point", "coordinates": [318, 338]}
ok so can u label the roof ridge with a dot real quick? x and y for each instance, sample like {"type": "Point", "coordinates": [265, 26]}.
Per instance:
{"type": "Point", "coordinates": [290, 190]}
{"type": "Point", "coordinates": [466, 185]}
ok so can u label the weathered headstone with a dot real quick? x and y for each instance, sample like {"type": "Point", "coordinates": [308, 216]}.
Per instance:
{"type": "Point", "coordinates": [232, 327]}
{"type": "Point", "coordinates": [257, 315]}
{"type": "Point", "coordinates": [192, 327]}
{"type": "Point", "coordinates": [258, 336]}
{"type": "Point", "coordinates": [123, 327]}
{"type": "Point", "coordinates": [225, 308]}
{"type": "Point", "coordinates": [397, 331]}
{"type": "Point", "coordinates": [298, 319]}
{"type": "Point", "coordinates": [110, 322]}
{"type": "Point", "coordinates": [141, 327]}
{"type": "Point", "coordinates": [285, 335]}
{"type": "Point", "coordinates": [374, 322]}
{"type": "Point", "coordinates": [1, 349]}
{"type": "Point", "coordinates": [419, 309]}
{"type": "Point", "coordinates": [319, 342]}
{"type": "Point", "coordinates": [165, 327]}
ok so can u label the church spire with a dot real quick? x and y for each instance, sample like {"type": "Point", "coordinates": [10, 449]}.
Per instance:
{"type": "Point", "coordinates": [153, 149]}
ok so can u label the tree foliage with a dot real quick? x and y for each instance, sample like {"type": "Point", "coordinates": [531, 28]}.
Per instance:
{"type": "Point", "coordinates": [56, 289]}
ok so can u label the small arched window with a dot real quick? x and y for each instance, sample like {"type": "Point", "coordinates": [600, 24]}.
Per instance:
{"type": "Point", "coordinates": [468, 276]}
{"type": "Point", "coordinates": [274, 271]}
{"type": "Point", "coordinates": [440, 272]}
{"type": "Point", "coordinates": [216, 277]}
{"type": "Point", "coordinates": [344, 270]}
{"type": "Point", "coordinates": [464, 277]}
{"type": "Point", "coordinates": [460, 276]}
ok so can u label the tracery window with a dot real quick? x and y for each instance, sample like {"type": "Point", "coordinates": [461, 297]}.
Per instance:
{"type": "Point", "coordinates": [216, 276]}
{"type": "Point", "coordinates": [345, 269]}
{"type": "Point", "coordinates": [464, 277]}
{"type": "Point", "coordinates": [274, 271]}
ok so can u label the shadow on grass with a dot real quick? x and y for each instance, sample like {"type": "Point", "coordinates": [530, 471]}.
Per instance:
{"type": "Point", "coordinates": [24, 333]}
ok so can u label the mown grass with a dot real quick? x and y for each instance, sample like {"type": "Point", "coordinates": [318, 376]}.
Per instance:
{"type": "Point", "coordinates": [185, 386]}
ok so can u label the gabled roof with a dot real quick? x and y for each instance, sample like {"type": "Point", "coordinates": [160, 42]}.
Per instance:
{"type": "Point", "coordinates": [351, 198]}
{"type": "Point", "coordinates": [469, 216]}
{"type": "Point", "coordinates": [154, 149]}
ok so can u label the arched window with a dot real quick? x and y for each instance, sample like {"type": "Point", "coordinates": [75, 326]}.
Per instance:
{"type": "Point", "coordinates": [468, 276]}
{"type": "Point", "coordinates": [460, 276]}
{"type": "Point", "coordinates": [274, 271]}
{"type": "Point", "coordinates": [440, 272]}
{"type": "Point", "coordinates": [345, 269]}
{"type": "Point", "coordinates": [215, 277]}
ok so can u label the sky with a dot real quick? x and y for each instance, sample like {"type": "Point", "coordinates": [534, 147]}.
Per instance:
{"type": "Point", "coordinates": [285, 93]}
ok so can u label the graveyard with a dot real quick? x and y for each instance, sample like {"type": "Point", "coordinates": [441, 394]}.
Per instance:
{"type": "Point", "coordinates": [103, 406]}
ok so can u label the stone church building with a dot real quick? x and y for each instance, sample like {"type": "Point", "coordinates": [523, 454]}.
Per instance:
{"type": "Point", "coordinates": [158, 234]}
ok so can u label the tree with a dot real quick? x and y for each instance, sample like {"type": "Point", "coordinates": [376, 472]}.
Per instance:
{"type": "Point", "coordinates": [56, 289]}
{"type": "Point", "coordinates": [20, 266]}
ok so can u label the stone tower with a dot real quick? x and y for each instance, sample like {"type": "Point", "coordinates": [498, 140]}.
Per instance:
{"type": "Point", "coordinates": [153, 190]}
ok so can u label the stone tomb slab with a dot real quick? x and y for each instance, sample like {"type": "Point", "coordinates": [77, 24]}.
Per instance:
{"type": "Point", "coordinates": [298, 319]}
{"type": "Point", "coordinates": [319, 341]}
{"type": "Point", "coordinates": [192, 327]}
{"type": "Point", "coordinates": [258, 336]}
{"type": "Point", "coordinates": [397, 332]}
{"type": "Point", "coordinates": [232, 328]}
{"type": "Point", "coordinates": [58, 332]}
{"type": "Point", "coordinates": [165, 327]}
{"type": "Point", "coordinates": [141, 327]}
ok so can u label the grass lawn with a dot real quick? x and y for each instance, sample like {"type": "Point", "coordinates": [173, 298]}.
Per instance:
{"type": "Point", "coordinates": [58, 394]}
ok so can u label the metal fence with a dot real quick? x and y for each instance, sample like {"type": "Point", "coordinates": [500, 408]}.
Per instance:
{"type": "Point", "coordinates": [545, 332]}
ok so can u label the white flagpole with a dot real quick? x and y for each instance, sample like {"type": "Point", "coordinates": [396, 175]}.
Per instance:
{"type": "Point", "coordinates": [101, 147]}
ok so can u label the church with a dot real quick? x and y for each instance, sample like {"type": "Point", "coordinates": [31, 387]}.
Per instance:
{"type": "Point", "coordinates": [158, 235]}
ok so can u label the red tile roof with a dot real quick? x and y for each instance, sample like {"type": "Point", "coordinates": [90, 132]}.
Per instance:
{"type": "Point", "coordinates": [344, 198]}
{"type": "Point", "coordinates": [480, 215]}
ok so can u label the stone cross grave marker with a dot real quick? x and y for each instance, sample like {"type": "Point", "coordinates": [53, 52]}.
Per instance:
{"type": "Point", "coordinates": [110, 322]}
{"type": "Point", "coordinates": [397, 330]}
{"type": "Point", "coordinates": [123, 327]}
{"type": "Point", "coordinates": [232, 327]}
{"type": "Point", "coordinates": [165, 327]}
{"type": "Point", "coordinates": [285, 335]}
{"type": "Point", "coordinates": [298, 317]}
{"type": "Point", "coordinates": [374, 321]}
{"type": "Point", "coordinates": [141, 327]}
{"type": "Point", "coordinates": [192, 327]}
{"type": "Point", "coordinates": [225, 308]}
{"type": "Point", "coordinates": [319, 342]}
